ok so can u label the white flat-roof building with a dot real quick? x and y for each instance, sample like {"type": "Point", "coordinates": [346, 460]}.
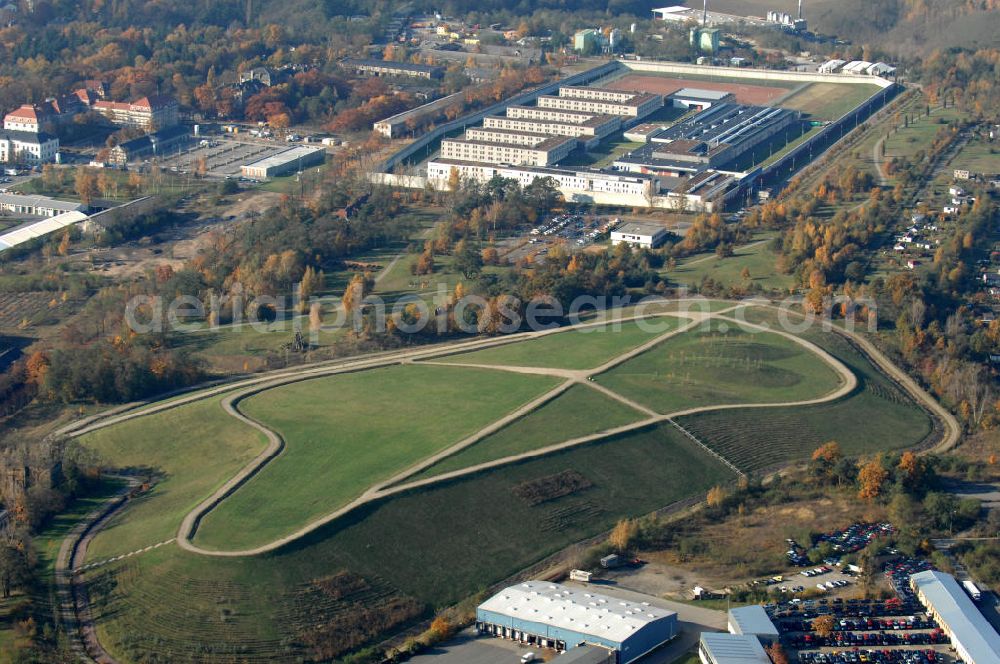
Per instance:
{"type": "Point", "coordinates": [576, 185]}
{"type": "Point", "coordinates": [722, 648]}
{"type": "Point", "coordinates": [284, 163]}
{"type": "Point", "coordinates": [635, 107]}
{"type": "Point", "coordinates": [639, 234]}
{"type": "Point", "coordinates": [698, 98]}
{"type": "Point", "coordinates": [973, 638]}
{"type": "Point", "coordinates": [544, 153]}
{"type": "Point", "coordinates": [508, 136]}
{"type": "Point", "coordinates": [592, 129]}
{"type": "Point", "coordinates": [552, 615]}
{"type": "Point", "coordinates": [753, 621]}
{"type": "Point", "coordinates": [37, 206]}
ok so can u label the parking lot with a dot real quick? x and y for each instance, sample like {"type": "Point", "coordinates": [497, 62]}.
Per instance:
{"type": "Point", "coordinates": [223, 156]}
{"type": "Point", "coordinates": [574, 232]}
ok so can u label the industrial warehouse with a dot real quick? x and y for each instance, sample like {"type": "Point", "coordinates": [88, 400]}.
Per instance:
{"type": "Point", "coordinates": [714, 137]}
{"type": "Point", "coordinates": [972, 636]}
{"type": "Point", "coordinates": [284, 163]}
{"type": "Point", "coordinates": [550, 615]}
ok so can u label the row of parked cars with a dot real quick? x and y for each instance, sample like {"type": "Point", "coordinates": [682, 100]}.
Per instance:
{"type": "Point", "coordinates": [865, 639]}
{"type": "Point", "coordinates": [873, 656]}
{"type": "Point", "coordinates": [849, 608]}
{"type": "Point", "coordinates": [817, 571]}
{"type": "Point", "coordinates": [856, 536]}
{"type": "Point", "coordinates": [899, 571]}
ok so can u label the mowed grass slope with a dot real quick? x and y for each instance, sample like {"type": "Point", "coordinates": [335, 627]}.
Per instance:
{"type": "Point", "coordinates": [876, 416]}
{"type": "Point", "coordinates": [721, 365]}
{"type": "Point", "coordinates": [437, 545]}
{"type": "Point", "coordinates": [584, 348]}
{"type": "Point", "coordinates": [346, 432]}
{"type": "Point", "coordinates": [191, 449]}
{"type": "Point", "coordinates": [579, 411]}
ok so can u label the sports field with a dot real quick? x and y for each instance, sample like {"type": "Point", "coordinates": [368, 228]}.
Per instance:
{"type": "Point", "coordinates": [828, 101]}
{"type": "Point", "coordinates": [747, 91]}
{"type": "Point", "coordinates": [425, 543]}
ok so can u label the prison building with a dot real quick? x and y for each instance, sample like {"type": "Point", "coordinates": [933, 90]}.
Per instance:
{"type": "Point", "coordinates": [594, 127]}
{"type": "Point", "coordinates": [545, 153]}
{"type": "Point", "coordinates": [634, 108]}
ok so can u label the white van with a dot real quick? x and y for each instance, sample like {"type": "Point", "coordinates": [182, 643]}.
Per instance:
{"type": "Point", "coordinates": [527, 657]}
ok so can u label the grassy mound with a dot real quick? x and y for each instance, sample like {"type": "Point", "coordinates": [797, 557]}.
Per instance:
{"type": "Point", "coordinates": [346, 432]}
{"type": "Point", "coordinates": [721, 365]}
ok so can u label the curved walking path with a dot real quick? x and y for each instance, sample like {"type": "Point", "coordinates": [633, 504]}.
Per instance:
{"type": "Point", "coordinates": [189, 525]}
{"type": "Point", "coordinates": [397, 484]}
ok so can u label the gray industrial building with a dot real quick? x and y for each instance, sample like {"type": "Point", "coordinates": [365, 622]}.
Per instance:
{"type": "Point", "coordinates": [551, 615]}
{"type": "Point", "coordinates": [723, 648]}
{"type": "Point", "coordinates": [973, 638]}
{"type": "Point", "coordinates": [716, 136]}
{"type": "Point", "coordinates": [753, 621]}
{"type": "Point", "coordinates": [284, 163]}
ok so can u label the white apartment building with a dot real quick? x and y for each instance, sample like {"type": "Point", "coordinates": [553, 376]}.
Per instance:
{"type": "Point", "coordinates": [602, 94]}
{"type": "Point", "coordinates": [610, 188]}
{"type": "Point", "coordinates": [547, 152]}
{"type": "Point", "coordinates": [506, 136]}
{"type": "Point", "coordinates": [27, 118]}
{"type": "Point", "coordinates": [597, 126]}
{"type": "Point", "coordinates": [550, 114]}
{"type": "Point", "coordinates": [636, 107]}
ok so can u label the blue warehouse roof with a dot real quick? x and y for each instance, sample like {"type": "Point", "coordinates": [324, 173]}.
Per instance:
{"type": "Point", "coordinates": [751, 620]}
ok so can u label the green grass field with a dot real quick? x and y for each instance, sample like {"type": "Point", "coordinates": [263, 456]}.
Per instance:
{"type": "Point", "coordinates": [876, 416]}
{"type": "Point", "coordinates": [756, 257]}
{"type": "Point", "coordinates": [586, 348]}
{"type": "Point", "coordinates": [979, 156]}
{"type": "Point", "coordinates": [557, 421]}
{"type": "Point", "coordinates": [715, 367]}
{"type": "Point", "coordinates": [344, 433]}
{"type": "Point", "coordinates": [828, 101]}
{"type": "Point", "coordinates": [191, 449]}
{"type": "Point", "coordinates": [436, 545]}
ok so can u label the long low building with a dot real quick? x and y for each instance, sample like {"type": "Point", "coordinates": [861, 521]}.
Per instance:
{"type": "Point", "coordinates": [634, 108]}
{"type": "Point", "coordinates": [156, 144]}
{"type": "Point", "coordinates": [40, 229]}
{"type": "Point", "coordinates": [284, 163]}
{"type": "Point", "coordinates": [550, 615]}
{"type": "Point", "coordinates": [510, 136]}
{"type": "Point", "coordinates": [544, 153]}
{"type": "Point", "coordinates": [639, 234]}
{"type": "Point", "coordinates": [576, 185]}
{"type": "Point", "coordinates": [37, 206]}
{"type": "Point", "coordinates": [723, 648]}
{"type": "Point", "coordinates": [753, 621]}
{"type": "Point", "coordinates": [973, 638]}
{"type": "Point", "coordinates": [593, 127]}
{"type": "Point", "coordinates": [552, 114]}
{"type": "Point", "coordinates": [372, 67]}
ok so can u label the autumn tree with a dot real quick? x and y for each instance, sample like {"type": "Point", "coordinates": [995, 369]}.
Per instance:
{"type": "Point", "coordinates": [871, 477]}
{"type": "Point", "coordinates": [356, 291]}
{"type": "Point", "coordinates": [716, 496]}
{"type": "Point", "coordinates": [86, 186]}
{"type": "Point", "coordinates": [622, 535]}
{"type": "Point", "coordinates": [64, 244]}
{"type": "Point", "coordinates": [777, 653]}
{"type": "Point", "coordinates": [910, 470]}
{"type": "Point", "coordinates": [824, 459]}
{"type": "Point", "coordinates": [823, 625]}
{"type": "Point", "coordinates": [442, 628]}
